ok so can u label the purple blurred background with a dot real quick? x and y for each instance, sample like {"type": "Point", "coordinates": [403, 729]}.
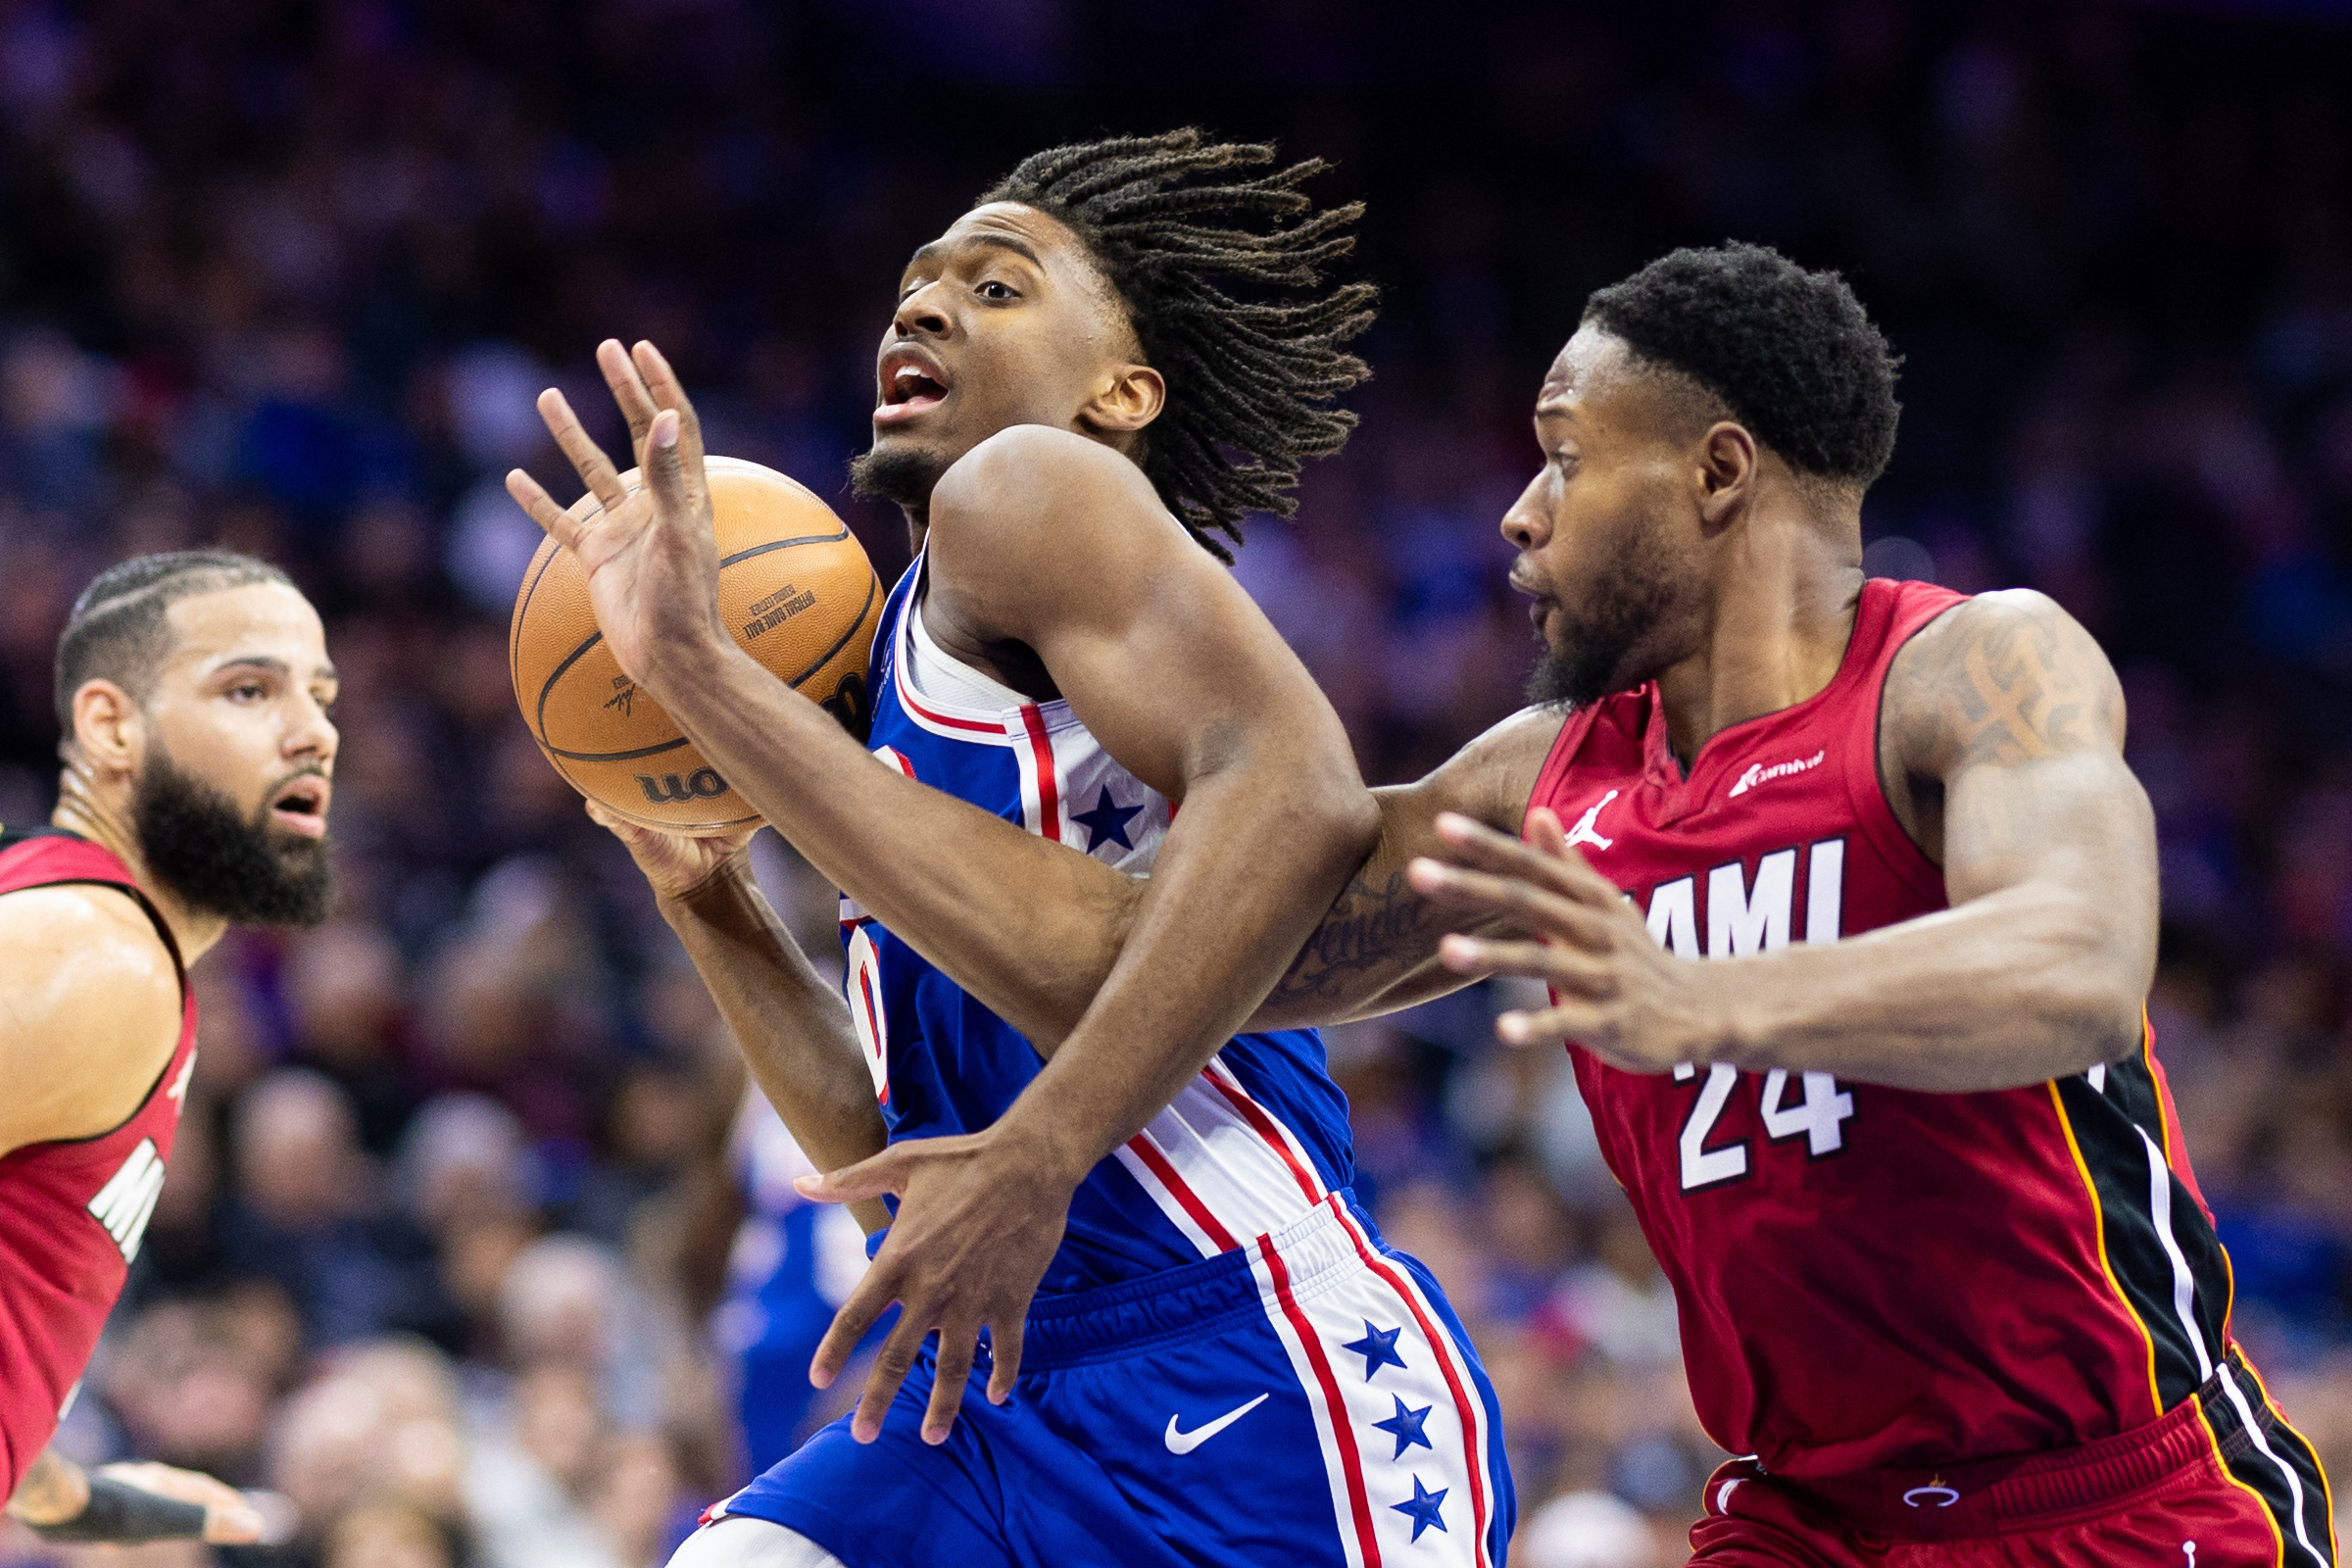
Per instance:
{"type": "Point", "coordinates": [475, 1247]}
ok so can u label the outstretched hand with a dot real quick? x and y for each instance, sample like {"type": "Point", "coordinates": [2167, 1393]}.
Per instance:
{"type": "Point", "coordinates": [978, 1222]}
{"type": "Point", "coordinates": [1615, 990]}
{"type": "Point", "coordinates": [651, 553]}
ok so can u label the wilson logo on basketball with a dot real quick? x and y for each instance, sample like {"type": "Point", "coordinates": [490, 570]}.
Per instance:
{"type": "Point", "coordinates": [703, 784]}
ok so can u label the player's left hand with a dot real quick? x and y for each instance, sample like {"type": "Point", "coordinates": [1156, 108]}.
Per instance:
{"type": "Point", "coordinates": [1615, 990]}
{"type": "Point", "coordinates": [978, 1221]}
{"type": "Point", "coordinates": [651, 554]}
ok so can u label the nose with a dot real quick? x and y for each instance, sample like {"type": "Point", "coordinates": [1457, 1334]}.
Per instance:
{"type": "Point", "coordinates": [1528, 524]}
{"type": "Point", "coordinates": [919, 315]}
{"type": "Point", "coordinates": [314, 736]}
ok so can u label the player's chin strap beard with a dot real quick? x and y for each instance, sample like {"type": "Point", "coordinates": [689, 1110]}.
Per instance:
{"type": "Point", "coordinates": [901, 476]}
{"type": "Point", "coordinates": [195, 843]}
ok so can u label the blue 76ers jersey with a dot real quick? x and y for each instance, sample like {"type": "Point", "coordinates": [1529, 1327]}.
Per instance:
{"type": "Point", "coordinates": [1249, 1147]}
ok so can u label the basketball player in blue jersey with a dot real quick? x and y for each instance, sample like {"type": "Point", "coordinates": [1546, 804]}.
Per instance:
{"type": "Point", "coordinates": [1224, 1363]}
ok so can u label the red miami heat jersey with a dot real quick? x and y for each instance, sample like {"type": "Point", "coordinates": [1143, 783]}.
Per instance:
{"type": "Point", "coordinates": [1873, 1278]}
{"type": "Point", "coordinates": [72, 1212]}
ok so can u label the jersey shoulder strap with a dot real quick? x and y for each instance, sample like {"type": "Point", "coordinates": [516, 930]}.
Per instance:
{"type": "Point", "coordinates": [52, 856]}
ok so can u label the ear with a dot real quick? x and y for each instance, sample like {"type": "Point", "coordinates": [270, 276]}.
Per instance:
{"type": "Point", "coordinates": [109, 731]}
{"type": "Point", "coordinates": [1127, 398]}
{"type": "Point", "coordinates": [1727, 472]}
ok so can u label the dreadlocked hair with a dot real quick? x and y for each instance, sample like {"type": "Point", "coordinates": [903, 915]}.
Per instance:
{"type": "Point", "coordinates": [1250, 383]}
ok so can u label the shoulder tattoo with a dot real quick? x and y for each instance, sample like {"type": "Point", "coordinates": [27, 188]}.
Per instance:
{"type": "Point", "coordinates": [2015, 685]}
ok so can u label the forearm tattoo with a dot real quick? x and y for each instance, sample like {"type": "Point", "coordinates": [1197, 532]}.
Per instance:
{"type": "Point", "coordinates": [1372, 937]}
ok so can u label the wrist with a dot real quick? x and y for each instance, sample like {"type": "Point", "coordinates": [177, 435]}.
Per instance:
{"type": "Point", "coordinates": [722, 887]}
{"type": "Point", "coordinates": [1719, 1026]}
{"type": "Point", "coordinates": [680, 669]}
{"type": "Point", "coordinates": [1048, 1146]}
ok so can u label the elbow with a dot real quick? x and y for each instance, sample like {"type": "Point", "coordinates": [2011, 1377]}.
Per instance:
{"type": "Point", "coordinates": [2107, 976]}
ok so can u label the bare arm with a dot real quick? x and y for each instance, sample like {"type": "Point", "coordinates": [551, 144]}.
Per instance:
{"type": "Point", "coordinates": [89, 1012]}
{"type": "Point", "coordinates": [2002, 730]}
{"type": "Point", "coordinates": [130, 1503]}
{"type": "Point", "coordinates": [1375, 950]}
{"type": "Point", "coordinates": [790, 1023]}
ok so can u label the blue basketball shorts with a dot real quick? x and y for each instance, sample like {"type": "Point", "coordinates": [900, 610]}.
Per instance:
{"type": "Point", "coordinates": [1307, 1400]}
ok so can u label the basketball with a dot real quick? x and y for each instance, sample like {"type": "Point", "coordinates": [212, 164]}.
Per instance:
{"type": "Point", "coordinates": [794, 588]}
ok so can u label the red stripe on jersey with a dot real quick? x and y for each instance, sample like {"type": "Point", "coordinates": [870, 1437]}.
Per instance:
{"type": "Point", "coordinates": [983, 727]}
{"type": "Point", "coordinates": [1263, 1125]}
{"type": "Point", "coordinates": [1049, 788]}
{"type": "Point", "coordinates": [1157, 1163]}
{"type": "Point", "coordinates": [1343, 1433]}
{"type": "Point", "coordinates": [873, 1025]}
{"type": "Point", "coordinates": [1445, 1352]}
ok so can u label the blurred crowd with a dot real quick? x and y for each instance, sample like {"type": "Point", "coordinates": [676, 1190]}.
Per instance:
{"type": "Point", "coordinates": [475, 1246]}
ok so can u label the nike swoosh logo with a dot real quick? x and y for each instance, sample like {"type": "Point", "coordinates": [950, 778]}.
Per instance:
{"type": "Point", "coordinates": [1187, 1441]}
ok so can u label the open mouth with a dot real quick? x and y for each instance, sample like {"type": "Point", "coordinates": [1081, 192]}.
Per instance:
{"type": "Point", "coordinates": [910, 385]}
{"type": "Point", "coordinates": [301, 805]}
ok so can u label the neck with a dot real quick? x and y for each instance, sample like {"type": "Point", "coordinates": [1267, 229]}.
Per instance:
{"type": "Point", "coordinates": [103, 817]}
{"type": "Point", "coordinates": [1775, 632]}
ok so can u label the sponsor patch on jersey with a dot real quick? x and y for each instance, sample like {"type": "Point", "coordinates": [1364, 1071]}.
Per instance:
{"type": "Point", "coordinates": [1759, 774]}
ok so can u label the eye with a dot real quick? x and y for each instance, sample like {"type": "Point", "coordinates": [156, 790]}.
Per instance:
{"type": "Point", "coordinates": [992, 289]}
{"type": "Point", "coordinates": [247, 691]}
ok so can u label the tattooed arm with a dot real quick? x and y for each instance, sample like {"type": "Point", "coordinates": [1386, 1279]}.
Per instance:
{"type": "Point", "coordinates": [1375, 951]}
{"type": "Point", "coordinates": [2000, 743]}
{"type": "Point", "coordinates": [1377, 947]}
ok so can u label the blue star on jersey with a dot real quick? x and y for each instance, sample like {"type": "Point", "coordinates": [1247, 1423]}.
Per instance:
{"type": "Point", "coordinates": [1405, 1427]}
{"type": "Point", "coordinates": [1378, 1347]}
{"type": "Point", "coordinates": [1107, 822]}
{"type": "Point", "coordinates": [1423, 1507]}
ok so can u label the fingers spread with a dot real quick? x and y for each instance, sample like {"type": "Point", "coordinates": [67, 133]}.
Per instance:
{"type": "Point", "coordinates": [1524, 904]}
{"type": "Point", "coordinates": [671, 394]}
{"type": "Point", "coordinates": [865, 1305]}
{"type": "Point", "coordinates": [637, 404]}
{"type": "Point", "coordinates": [587, 459]}
{"type": "Point", "coordinates": [871, 1177]}
{"type": "Point", "coordinates": [954, 1367]}
{"type": "Point", "coordinates": [890, 1371]}
{"type": "Point", "coordinates": [1004, 1342]}
{"type": "Point", "coordinates": [557, 523]}
{"type": "Point", "coordinates": [1562, 969]}
{"type": "Point", "coordinates": [1566, 872]}
{"type": "Point", "coordinates": [1549, 1026]}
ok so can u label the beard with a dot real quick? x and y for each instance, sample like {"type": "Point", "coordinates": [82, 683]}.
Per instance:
{"type": "Point", "coordinates": [1602, 633]}
{"type": "Point", "coordinates": [240, 868]}
{"type": "Point", "coordinates": [901, 476]}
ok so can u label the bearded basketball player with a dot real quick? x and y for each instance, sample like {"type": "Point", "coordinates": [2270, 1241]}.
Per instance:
{"type": "Point", "coordinates": [1226, 1364]}
{"type": "Point", "coordinates": [1848, 931]}
{"type": "Point", "coordinates": [193, 691]}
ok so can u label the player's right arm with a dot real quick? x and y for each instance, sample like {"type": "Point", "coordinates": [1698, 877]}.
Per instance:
{"type": "Point", "coordinates": [89, 1012]}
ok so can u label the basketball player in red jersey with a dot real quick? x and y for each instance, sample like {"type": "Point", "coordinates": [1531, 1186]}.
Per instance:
{"type": "Point", "coordinates": [1901, 1142]}
{"type": "Point", "coordinates": [193, 690]}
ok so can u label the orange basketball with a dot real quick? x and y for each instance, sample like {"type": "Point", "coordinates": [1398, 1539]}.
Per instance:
{"type": "Point", "coordinates": [794, 589]}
